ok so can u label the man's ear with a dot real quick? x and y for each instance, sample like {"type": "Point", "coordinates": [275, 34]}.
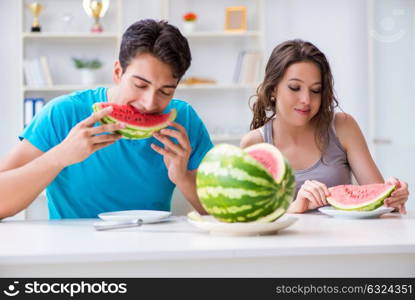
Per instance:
{"type": "Point", "coordinates": [117, 72]}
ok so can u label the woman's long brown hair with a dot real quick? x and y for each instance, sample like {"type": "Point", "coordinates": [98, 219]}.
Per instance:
{"type": "Point", "coordinates": [284, 55]}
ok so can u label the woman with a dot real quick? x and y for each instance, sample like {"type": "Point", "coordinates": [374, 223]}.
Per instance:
{"type": "Point", "coordinates": [294, 111]}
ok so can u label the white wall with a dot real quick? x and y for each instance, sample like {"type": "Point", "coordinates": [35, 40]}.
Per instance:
{"type": "Point", "coordinates": [338, 28]}
{"type": "Point", "coordinates": [10, 28]}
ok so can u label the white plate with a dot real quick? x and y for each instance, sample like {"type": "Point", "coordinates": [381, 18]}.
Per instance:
{"type": "Point", "coordinates": [216, 227]}
{"type": "Point", "coordinates": [148, 216]}
{"type": "Point", "coordinates": [338, 213]}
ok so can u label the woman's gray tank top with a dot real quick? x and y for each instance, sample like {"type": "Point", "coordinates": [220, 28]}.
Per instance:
{"type": "Point", "coordinates": [332, 169]}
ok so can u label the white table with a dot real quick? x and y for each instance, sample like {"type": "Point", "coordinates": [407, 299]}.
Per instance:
{"type": "Point", "coordinates": [315, 246]}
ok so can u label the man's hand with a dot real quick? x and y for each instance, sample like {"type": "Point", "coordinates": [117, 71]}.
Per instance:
{"type": "Point", "coordinates": [83, 139]}
{"type": "Point", "coordinates": [176, 156]}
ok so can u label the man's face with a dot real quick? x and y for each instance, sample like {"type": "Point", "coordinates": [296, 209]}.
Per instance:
{"type": "Point", "coordinates": [147, 84]}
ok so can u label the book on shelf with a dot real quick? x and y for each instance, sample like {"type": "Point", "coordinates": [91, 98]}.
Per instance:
{"type": "Point", "coordinates": [45, 70]}
{"type": "Point", "coordinates": [237, 72]}
{"type": "Point", "coordinates": [31, 107]}
{"type": "Point", "coordinates": [247, 67]}
{"type": "Point", "coordinates": [36, 72]}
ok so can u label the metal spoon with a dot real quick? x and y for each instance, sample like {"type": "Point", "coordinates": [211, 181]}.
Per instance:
{"type": "Point", "coordinates": [116, 225]}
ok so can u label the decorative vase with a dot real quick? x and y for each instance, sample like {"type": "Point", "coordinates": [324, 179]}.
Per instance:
{"type": "Point", "coordinates": [189, 27]}
{"type": "Point", "coordinates": [88, 76]}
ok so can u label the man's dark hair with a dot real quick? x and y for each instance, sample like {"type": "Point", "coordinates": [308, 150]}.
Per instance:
{"type": "Point", "coordinates": [158, 38]}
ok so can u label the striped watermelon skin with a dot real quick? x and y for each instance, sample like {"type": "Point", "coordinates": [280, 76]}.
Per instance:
{"type": "Point", "coordinates": [234, 187]}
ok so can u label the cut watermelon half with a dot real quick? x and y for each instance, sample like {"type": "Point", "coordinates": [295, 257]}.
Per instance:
{"type": "Point", "coordinates": [359, 197]}
{"type": "Point", "coordinates": [270, 157]}
{"type": "Point", "coordinates": [137, 124]}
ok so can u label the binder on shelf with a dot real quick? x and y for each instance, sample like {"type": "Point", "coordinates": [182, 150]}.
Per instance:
{"type": "Point", "coordinates": [31, 107]}
{"type": "Point", "coordinates": [28, 111]}
{"type": "Point", "coordinates": [38, 105]}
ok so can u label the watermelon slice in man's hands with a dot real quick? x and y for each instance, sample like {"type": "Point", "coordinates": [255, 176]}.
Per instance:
{"type": "Point", "coordinates": [137, 124]}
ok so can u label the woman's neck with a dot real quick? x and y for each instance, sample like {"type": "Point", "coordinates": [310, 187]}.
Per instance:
{"type": "Point", "coordinates": [286, 133]}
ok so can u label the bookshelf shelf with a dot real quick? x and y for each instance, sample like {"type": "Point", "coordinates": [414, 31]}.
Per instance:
{"type": "Point", "coordinates": [61, 88]}
{"type": "Point", "coordinates": [217, 86]}
{"type": "Point", "coordinates": [74, 35]}
{"type": "Point", "coordinates": [69, 87]}
{"type": "Point", "coordinates": [45, 55]}
{"type": "Point", "coordinates": [223, 34]}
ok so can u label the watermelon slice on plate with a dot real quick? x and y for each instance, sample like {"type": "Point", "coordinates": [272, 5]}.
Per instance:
{"type": "Point", "coordinates": [359, 197]}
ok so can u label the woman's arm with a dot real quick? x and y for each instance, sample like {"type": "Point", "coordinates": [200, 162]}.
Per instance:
{"type": "Point", "coordinates": [360, 160]}
{"type": "Point", "coordinates": [362, 163]}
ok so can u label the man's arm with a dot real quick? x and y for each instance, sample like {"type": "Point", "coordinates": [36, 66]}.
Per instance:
{"type": "Point", "coordinates": [24, 174]}
{"type": "Point", "coordinates": [188, 187]}
{"type": "Point", "coordinates": [26, 171]}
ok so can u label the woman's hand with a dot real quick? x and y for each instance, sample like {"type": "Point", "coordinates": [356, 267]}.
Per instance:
{"type": "Point", "coordinates": [83, 140]}
{"type": "Point", "coordinates": [311, 195]}
{"type": "Point", "coordinates": [399, 196]}
{"type": "Point", "coordinates": [176, 156]}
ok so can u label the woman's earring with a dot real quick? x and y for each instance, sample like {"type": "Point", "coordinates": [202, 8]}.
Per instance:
{"type": "Point", "coordinates": [273, 99]}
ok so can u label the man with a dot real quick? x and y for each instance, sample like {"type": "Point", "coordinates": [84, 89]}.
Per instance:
{"type": "Point", "coordinates": [86, 172]}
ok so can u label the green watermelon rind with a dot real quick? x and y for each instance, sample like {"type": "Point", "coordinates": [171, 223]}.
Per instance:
{"type": "Point", "coordinates": [134, 132]}
{"type": "Point", "coordinates": [368, 206]}
{"type": "Point", "coordinates": [222, 206]}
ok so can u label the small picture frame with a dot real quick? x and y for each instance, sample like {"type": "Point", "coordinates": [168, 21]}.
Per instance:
{"type": "Point", "coordinates": [235, 19]}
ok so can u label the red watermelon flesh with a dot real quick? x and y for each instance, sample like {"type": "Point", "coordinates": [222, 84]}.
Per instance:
{"type": "Point", "coordinates": [270, 157]}
{"type": "Point", "coordinates": [359, 197]}
{"type": "Point", "coordinates": [134, 119]}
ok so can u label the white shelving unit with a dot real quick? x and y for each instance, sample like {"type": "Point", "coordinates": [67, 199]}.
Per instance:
{"type": "Point", "coordinates": [46, 43]}
{"type": "Point", "coordinates": [212, 35]}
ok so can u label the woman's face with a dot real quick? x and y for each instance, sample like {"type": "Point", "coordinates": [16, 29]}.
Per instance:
{"type": "Point", "coordinates": [147, 84]}
{"type": "Point", "coordinates": [299, 93]}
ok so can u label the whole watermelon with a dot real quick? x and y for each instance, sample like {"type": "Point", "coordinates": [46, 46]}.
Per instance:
{"type": "Point", "coordinates": [255, 184]}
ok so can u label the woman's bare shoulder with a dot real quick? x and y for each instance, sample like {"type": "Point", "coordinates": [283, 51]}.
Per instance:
{"type": "Point", "coordinates": [344, 121]}
{"type": "Point", "coordinates": [251, 138]}
{"type": "Point", "coordinates": [347, 129]}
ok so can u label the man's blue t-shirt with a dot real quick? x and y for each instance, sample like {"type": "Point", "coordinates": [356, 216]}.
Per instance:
{"type": "Point", "coordinates": [128, 174]}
